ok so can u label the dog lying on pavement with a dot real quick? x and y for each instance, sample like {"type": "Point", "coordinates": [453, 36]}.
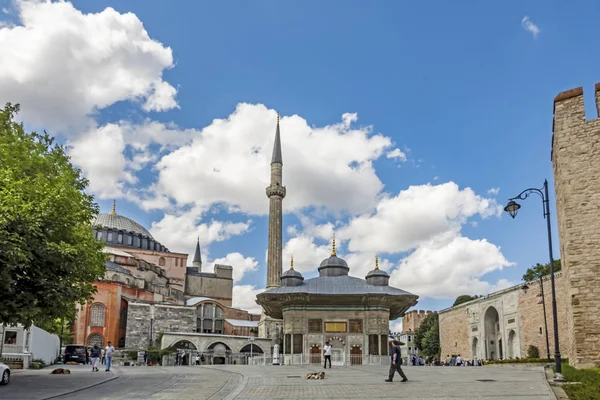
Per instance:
{"type": "Point", "coordinates": [60, 371]}
{"type": "Point", "coordinates": [315, 375]}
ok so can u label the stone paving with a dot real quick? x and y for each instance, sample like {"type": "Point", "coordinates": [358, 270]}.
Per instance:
{"type": "Point", "coordinates": [229, 382]}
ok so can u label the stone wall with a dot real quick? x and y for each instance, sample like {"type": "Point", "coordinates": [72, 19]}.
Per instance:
{"type": "Point", "coordinates": [576, 162]}
{"type": "Point", "coordinates": [463, 329]}
{"type": "Point", "coordinates": [205, 284]}
{"type": "Point", "coordinates": [412, 320]}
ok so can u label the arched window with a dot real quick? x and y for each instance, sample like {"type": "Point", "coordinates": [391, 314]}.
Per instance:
{"type": "Point", "coordinates": [120, 238]}
{"type": "Point", "coordinates": [115, 277]}
{"type": "Point", "coordinates": [210, 318]}
{"type": "Point", "coordinates": [109, 237]}
{"type": "Point", "coordinates": [129, 240]}
{"type": "Point", "coordinates": [99, 235]}
{"type": "Point", "coordinates": [95, 339]}
{"type": "Point", "coordinates": [97, 314]}
{"type": "Point", "coordinates": [123, 323]}
{"type": "Point", "coordinates": [161, 262]}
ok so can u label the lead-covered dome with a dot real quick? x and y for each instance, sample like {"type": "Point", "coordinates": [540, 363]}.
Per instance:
{"type": "Point", "coordinates": [120, 223]}
{"type": "Point", "coordinates": [333, 266]}
{"type": "Point", "coordinates": [377, 277]}
{"type": "Point", "coordinates": [291, 277]}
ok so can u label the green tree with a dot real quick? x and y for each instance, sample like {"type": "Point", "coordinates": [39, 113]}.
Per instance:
{"type": "Point", "coordinates": [48, 256]}
{"type": "Point", "coordinates": [539, 270]}
{"type": "Point", "coordinates": [60, 327]}
{"type": "Point", "coordinates": [427, 335]}
{"type": "Point", "coordinates": [463, 298]}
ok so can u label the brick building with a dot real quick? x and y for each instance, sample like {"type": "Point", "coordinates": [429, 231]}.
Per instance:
{"type": "Point", "coordinates": [576, 161]}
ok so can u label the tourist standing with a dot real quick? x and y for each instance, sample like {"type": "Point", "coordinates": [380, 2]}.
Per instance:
{"type": "Point", "coordinates": [108, 353]}
{"type": "Point", "coordinates": [396, 363]}
{"type": "Point", "coordinates": [95, 356]}
{"type": "Point", "coordinates": [327, 350]}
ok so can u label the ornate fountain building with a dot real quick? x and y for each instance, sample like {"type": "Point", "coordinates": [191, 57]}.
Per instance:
{"type": "Point", "coordinates": [353, 314]}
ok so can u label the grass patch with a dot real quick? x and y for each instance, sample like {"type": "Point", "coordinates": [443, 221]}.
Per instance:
{"type": "Point", "coordinates": [590, 383]}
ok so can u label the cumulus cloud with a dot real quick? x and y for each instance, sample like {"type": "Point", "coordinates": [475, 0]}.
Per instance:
{"type": "Point", "coordinates": [396, 154]}
{"type": "Point", "coordinates": [240, 264]}
{"type": "Point", "coordinates": [494, 191]}
{"type": "Point", "coordinates": [415, 215]}
{"type": "Point", "coordinates": [229, 163]}
{"type": "Point", "coordinates": [244, 297]}
{"type": "Point", "coordinates": [180, 230]}
{"type": "Point", "coordinates": [529, 26]}
{"type": "Point", "coordinates": [63, 65]}
{"type": "Point", "coordinates": [448, 265]}
{"type": "Point", "coordinates": [396, 326]}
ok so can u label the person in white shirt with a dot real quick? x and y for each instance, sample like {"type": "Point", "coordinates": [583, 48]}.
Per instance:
{"type": "Point", "coordinates": [327, 350]}
{"type": "Point", "coordinates": [108, 353]}
{"type": "Point", "coordinates": [459, 360]}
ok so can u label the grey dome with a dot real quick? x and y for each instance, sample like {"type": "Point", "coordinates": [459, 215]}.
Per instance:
{"type": "Point", "coordinates": [377, 272]}
{"type": "Point", "coordinates": [120, 223]}
{"type": "Point", "coordinates": [292, 273]}
{"type": "Point", "coordinates": [377, 277]}
{"type": "Point", "coordinates": [333, 266]}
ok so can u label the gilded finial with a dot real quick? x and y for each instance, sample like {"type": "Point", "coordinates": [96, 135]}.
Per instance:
{"type": "Point", "coordinates": [376, 262]}
{"type": "Point", "coordinates": [114, 209]}
{"type": "Point", "coordinates": [277, 118]}
{"type": "Point", "coordinates": [292, 263]}
{"type": "Point", "coordinates": [333, 245]}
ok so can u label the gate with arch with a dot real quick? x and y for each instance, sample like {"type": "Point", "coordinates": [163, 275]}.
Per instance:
{"type": "Point", "coordinates": [356, 356]}
{"type": "Point", "coordinates": [315, 354]}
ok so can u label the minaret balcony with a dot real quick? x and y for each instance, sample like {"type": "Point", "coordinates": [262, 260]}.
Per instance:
{"type": "Point", "coordinates": [276, 190]}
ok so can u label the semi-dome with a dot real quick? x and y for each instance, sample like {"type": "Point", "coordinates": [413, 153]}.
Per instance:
{"type": "Point", "coordinates": [377, 277]}
{"type": "Point", "coordinates": [120, 223]}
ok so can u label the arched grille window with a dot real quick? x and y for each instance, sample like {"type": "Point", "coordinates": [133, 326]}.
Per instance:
{"type": "Point", "coordinates": [161, 262]}
{"type": "Point", "coordinates": [95, 339]}
{"type": "Point", "coordinates": [210, 318]}
{"type": "Point", "coordinates": [97, 315]}
{"type": "Point", "coordinates": [120, 238]}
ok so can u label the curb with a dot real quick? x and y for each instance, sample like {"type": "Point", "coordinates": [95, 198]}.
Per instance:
{"type": "Point", "coordinates": [557, 391]}
{"type": "Point", "coordinates": [56, 396]}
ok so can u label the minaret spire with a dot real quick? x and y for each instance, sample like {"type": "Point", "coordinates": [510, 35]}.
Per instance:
{"type": "Point", "coordinates": [275, 193]}
{"type": "Point", "coordinates": [197, 262]}
{"type": "Point", "coordinates": [114, 208]}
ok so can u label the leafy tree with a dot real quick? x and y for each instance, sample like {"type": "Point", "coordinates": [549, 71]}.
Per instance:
{"type": "Point", "coordinates": [49, 258]}
{"type": "Point", "coordinates": [60, 327]}
{"type": "Point", "coordinates": [463, 298]}
{"type": "Point", "coordinates": [533, 352]}
{"type": "Point", "coordinates": [427, 335]}
{"type": "Point", "coordinates": [539, 270]}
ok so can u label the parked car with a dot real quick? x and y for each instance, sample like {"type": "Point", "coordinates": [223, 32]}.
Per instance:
{"type": "Point", "coordinates": [74, 353]}
{"type": "Point", "coordinates": [4, 374]}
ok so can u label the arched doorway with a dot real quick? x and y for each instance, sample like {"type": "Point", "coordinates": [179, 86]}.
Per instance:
{"type": "Point", "coordinates": [356, 355]}
{"type": "Point", "coordinates": [511, 348]}
{"type": "Point", "coordinates": [338, 355]}
{"type": "Point", "coordinates": [184, 350]}
{"type": "Point", "coordinates": [493, 338]}
{"type": "Point", "coordinates": [474, 348]}
{"type": "Point", "coordinates": [219, 351]}
{"type": "Point", "coordinates": [251, 348]}
{"type": "Point", "coordinates": [315, 354]}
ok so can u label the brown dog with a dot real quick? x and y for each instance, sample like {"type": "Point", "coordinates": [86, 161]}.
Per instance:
{"type": "Point", "coordinates": [60, 371]}
{"type": "Point", "coordinates": [315, 375]}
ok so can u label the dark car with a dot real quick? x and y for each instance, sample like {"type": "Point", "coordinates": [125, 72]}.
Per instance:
{"type": "Point", "coordinates": [74, 353]}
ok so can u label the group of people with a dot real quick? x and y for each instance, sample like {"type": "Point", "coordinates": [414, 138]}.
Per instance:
{"type": "Point", "coordinates": [96, 354]}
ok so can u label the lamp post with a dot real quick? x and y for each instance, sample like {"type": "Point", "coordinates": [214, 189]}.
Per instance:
{"type": "Point", "coordinates": [512, 208]}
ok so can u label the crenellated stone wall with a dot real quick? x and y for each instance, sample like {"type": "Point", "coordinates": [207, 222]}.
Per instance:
{"type": "Point", "coordinates": [576, 161]}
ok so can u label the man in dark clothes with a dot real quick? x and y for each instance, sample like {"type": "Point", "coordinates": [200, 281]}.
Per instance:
{"type": "Point", "coordinates": [396, 363]}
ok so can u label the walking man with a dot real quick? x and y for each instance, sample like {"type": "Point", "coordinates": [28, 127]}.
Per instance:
{"type": "Point", "coordinates": [95, 356]}
{"type": "Point", "coordinates": [396, 363]}
{"type": "Point", "coordinates": [108, 353]}
{"type": "Point", "coordinates": [327, 350]}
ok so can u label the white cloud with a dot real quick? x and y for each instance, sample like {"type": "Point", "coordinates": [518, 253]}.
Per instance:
{"type": "Point", "coordinates": [448, 265]}
{"type": "Point", "coordinates": [63, 65]}
{"type": "Point", "coordinates": [244, 297]}
{"type": "Point", "coordinates": [396, 326]}
{"type": "Point", "coordinates": [99, 154]}
{"type": "Point", "coordinates": [240, 264]}
{"type": "Point", "coordinates": [529, 26]}
{"type": "Point", "coordinates": [396, 154]}
{"type": "Point", "coordinates": [494, 191]}
{"type": "Point", "coordinates": [229, 163]}
{"type": "Point", "coordinates": [415, 215]}
{"type": "Point", "coordinates": [180, 230]}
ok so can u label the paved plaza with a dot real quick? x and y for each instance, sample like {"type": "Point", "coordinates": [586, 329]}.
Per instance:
{"type": "Point", "coordinates": [230, 382]}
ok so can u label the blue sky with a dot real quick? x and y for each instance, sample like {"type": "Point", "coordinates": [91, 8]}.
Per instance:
{"type": "Point", "coordinates": [463, 90]}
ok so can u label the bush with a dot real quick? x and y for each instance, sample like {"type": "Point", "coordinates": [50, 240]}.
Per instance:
{"type": "Point", "coordinates": [533, 352]}
{"type": "Point", "coordinates": [524, 361]}
{"type": "Point", "coordinates": [590, 383]}
{"type": "Point", "coordinates": [37, 364]}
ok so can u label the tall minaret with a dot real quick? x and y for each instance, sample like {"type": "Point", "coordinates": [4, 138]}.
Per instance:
{"type": "Point", "coordinates": [275, 193]}
{"type": "Point", "coordinates": [197, 262]}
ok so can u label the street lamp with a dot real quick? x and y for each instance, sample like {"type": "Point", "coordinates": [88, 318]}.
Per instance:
{"type": "Point", "coordinates": [512, 208]}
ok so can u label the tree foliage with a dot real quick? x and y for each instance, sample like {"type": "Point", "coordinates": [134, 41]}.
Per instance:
{"type": "Point", "coordinates": [49, 258]}
{"type": "Point", "coordinates": [463, 298]}
{"type": "Point", "coordinates": [427, 335]}
{"type": "Point", "coordinates": [59, 327]}
{"type": "Point", "coordinates": [539, 270]}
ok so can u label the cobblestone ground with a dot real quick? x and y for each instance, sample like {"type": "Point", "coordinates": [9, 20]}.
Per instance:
{"type": "Point", "coordinates": [274, 382]}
